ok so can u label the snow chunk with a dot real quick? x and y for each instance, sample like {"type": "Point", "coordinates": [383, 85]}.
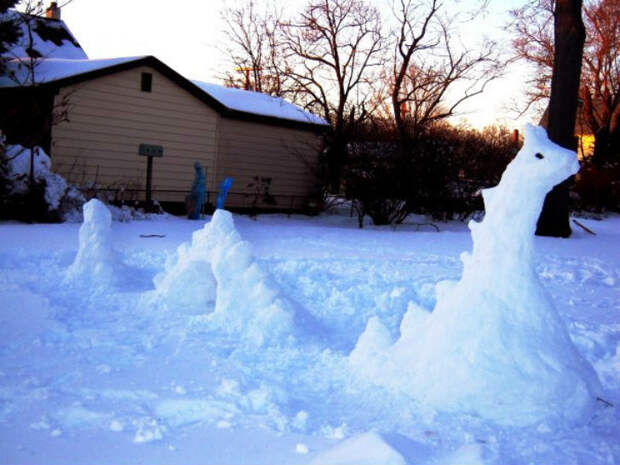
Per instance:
{"type": "Point", "coordinates": [364, 449]}
{"type": "Point", "coordinates": [301, 448]}
{"type": "Point", "coordinates": [181, 412]}
{"type": "Point", "coordinates": [148, 430]}
{"type": "Point", "coordinates": [116, 426]}
{"type": "Point", "coordinates": [495, 334]}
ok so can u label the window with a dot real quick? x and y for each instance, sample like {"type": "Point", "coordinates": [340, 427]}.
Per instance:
{"type": "Point", "coordinates": [147, 82]}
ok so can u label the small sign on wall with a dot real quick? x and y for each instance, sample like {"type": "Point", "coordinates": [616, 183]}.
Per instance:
{"type": "Point", "coordinates": [148, 150]}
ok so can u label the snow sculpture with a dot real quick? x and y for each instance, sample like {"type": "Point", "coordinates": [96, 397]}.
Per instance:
{"type": "Point", "coordinates": [494, 345]}
{"type": "Point", "coordinates": [94, 261]}
{"type": "Point", "coordinates": [218, 265]}
{"type": "Point", "coordinates": [195, 200]}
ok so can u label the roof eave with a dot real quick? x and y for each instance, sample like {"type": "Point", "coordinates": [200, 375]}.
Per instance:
{"type": "Point", "coordinates": [185, 84]}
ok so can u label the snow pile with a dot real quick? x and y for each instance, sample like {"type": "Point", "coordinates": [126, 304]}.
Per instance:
{"type": "Point", "coordinates": [95, 260]}
{"type": "Point", "coordinates": [59, 196]}
{"type": "Point", "coordinates": [218, 265]}
{"type": "Point", "coordinates": [494, 344]}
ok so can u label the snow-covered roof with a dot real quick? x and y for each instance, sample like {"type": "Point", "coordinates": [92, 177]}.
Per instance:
{"type": "Point", "coordinates": [53, 69]}
{"type": "Point", "coordinates": [231, 102]}
{"type": "Point", "coordinates": [258, 104]}
{"type": "Point", "coordinates": [51, 38]}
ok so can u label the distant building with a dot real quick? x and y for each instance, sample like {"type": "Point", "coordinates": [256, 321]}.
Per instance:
{"type": "Point", "coordinates": [95, 115]}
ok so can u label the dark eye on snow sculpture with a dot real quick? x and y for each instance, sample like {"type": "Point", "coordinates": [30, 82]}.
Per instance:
{"type": "Point", "coordinates": [539, 155]}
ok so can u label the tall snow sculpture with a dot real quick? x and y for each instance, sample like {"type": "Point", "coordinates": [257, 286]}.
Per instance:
{"type": "Point", "coordinates": [218, 265]}
{"type": "Point", "coordinates": [94, 261]}
{"type": "Point", "coordinates": [494, 345]}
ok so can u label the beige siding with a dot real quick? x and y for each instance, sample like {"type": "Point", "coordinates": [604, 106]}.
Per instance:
{"type": "Point", "coordinates": [287, 156]}
{"type": "Point", "coordinates": [109, 117]}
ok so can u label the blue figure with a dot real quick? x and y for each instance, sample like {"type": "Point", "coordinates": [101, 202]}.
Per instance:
{"type": "Point", "coordinates": [224, 187]}
{"type": "Point", "coordinates": [196, 198]}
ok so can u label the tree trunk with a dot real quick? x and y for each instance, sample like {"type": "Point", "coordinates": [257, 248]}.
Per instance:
{"type": "Point", "coordinates": [569, 39]}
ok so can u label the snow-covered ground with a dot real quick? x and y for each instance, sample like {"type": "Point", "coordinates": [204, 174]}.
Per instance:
{"type": "Point", "coordinates": [107, 369]}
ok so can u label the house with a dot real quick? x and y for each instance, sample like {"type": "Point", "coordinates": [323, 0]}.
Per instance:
{"type": "Point", "coordinates": [99, 114]}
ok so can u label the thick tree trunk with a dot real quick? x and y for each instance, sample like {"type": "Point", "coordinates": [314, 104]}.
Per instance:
{"type": "Point", "coordinates": [569, 38]}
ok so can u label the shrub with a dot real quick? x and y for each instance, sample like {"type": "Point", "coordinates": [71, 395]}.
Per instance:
{"type": "Point", "coordinates": [597, 187]}
{"type": "Point", "coordinates": [439, 173]}
{"type": "Point", "coordinates": [46, 197]}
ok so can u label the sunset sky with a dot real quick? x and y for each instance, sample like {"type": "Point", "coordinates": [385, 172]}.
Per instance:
{"type": "Point", "coordinates": [188, 36]}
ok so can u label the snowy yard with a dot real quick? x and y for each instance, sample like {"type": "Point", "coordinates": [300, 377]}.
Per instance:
{"type": "Point", "coordinates": [109, 371]}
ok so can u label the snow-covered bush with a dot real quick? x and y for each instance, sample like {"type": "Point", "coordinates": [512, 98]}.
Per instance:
{"type": "Point", "coordinates": [44, 197]}
{"type": "Point", "coordinates": [6, 183]}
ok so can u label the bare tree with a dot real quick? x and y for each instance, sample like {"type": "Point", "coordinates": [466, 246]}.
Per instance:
{"type": "Point", "coordinates": [331, 50]}
{"type": "Point", "coordinates": [428, 61]}
{"type": "Point", "coordinates": [569, 37]}
{"type": "Point", "coordinates": [9, 29]}
{"type": "Point", "coordinates": [31, 109]}
{"type": "Point", "coordinates": [253, 47]}
{"type": "Point", "coordinates": [600, 85]}
{"type": "Point", "coordinates": [600, 82]}
{"type": "Point", "coordinates": [533, 28]}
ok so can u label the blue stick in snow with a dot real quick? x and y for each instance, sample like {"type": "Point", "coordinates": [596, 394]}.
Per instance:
{"type": "Point", "coordinates": [223, 192]}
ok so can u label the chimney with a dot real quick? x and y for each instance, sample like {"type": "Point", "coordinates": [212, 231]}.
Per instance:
{"type": "Point", "coordinates": [53, 11]}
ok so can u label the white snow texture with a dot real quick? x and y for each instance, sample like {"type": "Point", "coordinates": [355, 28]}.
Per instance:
{"type": "Point", "coordinates": [494, 344]}
{"type": "Point", "coordinates": [56, 187]}
{"type": "Point", "coordinates": [94, 262]}
{"type": "Point", "coordinates": [218, 265]}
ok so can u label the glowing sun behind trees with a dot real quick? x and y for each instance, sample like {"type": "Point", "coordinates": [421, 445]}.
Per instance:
{"type": "Point", "coordinates": [494, 345]}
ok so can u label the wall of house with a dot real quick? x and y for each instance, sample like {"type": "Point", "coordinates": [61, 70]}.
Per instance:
{"type": "Point", "coordinates": [288, 157]}
{"type": "Point", "coordinates": [109, 117]}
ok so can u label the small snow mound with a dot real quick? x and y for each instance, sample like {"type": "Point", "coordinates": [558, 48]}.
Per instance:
{"type": "Point", "coordinates": [148, 430]}
{"type": "Point", "coordinates": [94, 262]}
{"type": "Point", "coordinates": [301, 448]}
{"type": "Point", "coordinates": [364, 449]}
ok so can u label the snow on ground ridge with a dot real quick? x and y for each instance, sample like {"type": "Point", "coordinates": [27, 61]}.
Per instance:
{"type": "Point", "coordinates": [90, 370]}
